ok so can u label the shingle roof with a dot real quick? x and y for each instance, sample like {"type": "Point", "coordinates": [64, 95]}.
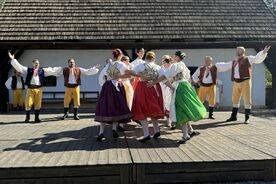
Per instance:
{"type": "Point", "coordinates": [39, 20]}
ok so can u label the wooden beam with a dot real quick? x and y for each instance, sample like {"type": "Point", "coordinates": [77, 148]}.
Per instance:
{"type": "Point", "coordinates": [132, 44]}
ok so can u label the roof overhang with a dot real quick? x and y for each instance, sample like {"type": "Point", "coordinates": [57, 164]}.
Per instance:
{"type": "Point", "coordinates": [130, 44]}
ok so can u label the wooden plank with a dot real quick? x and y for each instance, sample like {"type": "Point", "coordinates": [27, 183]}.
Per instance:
{"type": "Point", "coordinates": [57, 159]}
{"type": "Point", "coordinates": [198, 167]}
{"type": "Point", "coordinates": [270, 170]}
{"type": "Point", "coordinates": [185, 150]}
{"type": "Point", "coordinates": [68, 171]}
{"type": "Point", "coordinates": [126, 174]}
{"type": "Point", "coordinates": [140, 173]}
{"type": "Point", "coordinates": [82, 180]}
{"type": "Point", "coordinates": [205, 177]}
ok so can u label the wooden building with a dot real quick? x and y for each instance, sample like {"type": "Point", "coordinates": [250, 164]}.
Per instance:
{"type": "Point", "coordinates": [55, 30]}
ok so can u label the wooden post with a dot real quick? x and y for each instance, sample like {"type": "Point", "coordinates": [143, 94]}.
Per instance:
{"type": "Point", "coordinates": [270, 63]}
{"type": "Point", "coordinates": [5, 68]}
{"type": "Point", "coordinates": [272, 60]}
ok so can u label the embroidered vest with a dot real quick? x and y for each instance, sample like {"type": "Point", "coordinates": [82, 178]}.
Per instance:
{"type": "Point", "coordinates": [245, 68]}
{"type": "Point", "coordinates": [77, 74]}
{"type": "Point", "coordinates": [213, 73]}
{"type": "Point", "coordinates": [149, 73]}
{"type": "Point", "coordinates": [113, 70]}
{"type": "Point", "coordinates": [30, 73]}
{"type": "Point", "coordinates": [14, 82]}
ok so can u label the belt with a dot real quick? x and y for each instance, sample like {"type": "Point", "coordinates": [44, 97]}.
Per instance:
{"type": "Point", "coordinates": [206, 85]}
{"type": "Point", "coordinates": [34, 87]}
{"type": "Point", "coordinates": [240, 80]}
{"type": "Point", "coordinates": [72, 85]}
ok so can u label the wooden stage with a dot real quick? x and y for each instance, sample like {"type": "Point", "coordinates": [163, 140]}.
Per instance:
{"type": "Point", "coordinates": [59, 152]}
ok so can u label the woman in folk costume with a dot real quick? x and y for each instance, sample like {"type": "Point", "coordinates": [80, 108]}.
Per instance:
{"type": "Point", "coordinates": [166, 63]}
{"type": "Point", "coordinates": [148, 101]}
{"type": "Point", "coordinates": [140, 52]}
{"type": "Point", "coordinates": [112, 106]}
{"type": "Point", "coordinates": [127, 84]}
{"type": "Point", "coordinates": [185, 104]}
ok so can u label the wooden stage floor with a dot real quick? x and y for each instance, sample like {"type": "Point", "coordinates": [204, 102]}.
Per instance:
{"type": "Point", "coordinates": [60, 152]}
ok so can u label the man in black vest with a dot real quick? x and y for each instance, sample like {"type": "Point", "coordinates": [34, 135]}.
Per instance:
{"type": "Point", "coordinates": [34, 81]}
{"type": "Point", "coordinates": [16, 83]}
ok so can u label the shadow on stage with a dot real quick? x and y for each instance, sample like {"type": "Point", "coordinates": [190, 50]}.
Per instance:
{"type": "Point", "coordinates": [85, 139]}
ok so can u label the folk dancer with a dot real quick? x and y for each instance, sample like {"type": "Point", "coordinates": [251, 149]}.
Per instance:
{"type": "Point", "coordinates": [241, 76]}
{"type": "Point", "coordinates": [185, 104]}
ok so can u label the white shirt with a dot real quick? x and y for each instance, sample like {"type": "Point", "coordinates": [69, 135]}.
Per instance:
{"type": "Point", "coordinates": [18, 84]}
{"type": "Point", "coordinates": [104, 75]}
{"type": "Point", "coordinates": [259, 58]}
{"type": "Point", "coordinates": [141, 67]}
{"type": "Point", "coordinates": [206, 80]}
{"type": "Point", "coordinates": [35, 79]}
{"type": "Point", "coordinates": [136, 62]}
{"type": "Point", "coordinates": [90, 71]}
{"type": "Point", "coordinates": [54, 71]}
{"type": "Point", "coordinates": [177, 68]}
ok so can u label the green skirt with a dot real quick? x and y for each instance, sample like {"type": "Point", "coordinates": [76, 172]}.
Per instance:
{"type": "Point", "coordinates": [188, 107]}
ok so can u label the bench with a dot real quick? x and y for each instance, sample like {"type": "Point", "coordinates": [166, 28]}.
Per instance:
{"type": "Point", "coordinates": [59, 95]}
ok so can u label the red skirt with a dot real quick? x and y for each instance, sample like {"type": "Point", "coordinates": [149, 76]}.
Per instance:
{"type": "Point", "coordinates": [135, 82]}
{"type": "Point", "coordinates": [147, 102]}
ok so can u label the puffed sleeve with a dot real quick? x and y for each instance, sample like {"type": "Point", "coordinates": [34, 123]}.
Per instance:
{"type": "Point", "coordinates": [54, 71]}
{"type": "Point", "coordinates": [195, 75]}
{"type": "Point", "coordinates": [8, 83]}
{"type": "Point", "coordinates": [171, 72]}
{"type": "Point", "coordinates": [90, 71]}
{"type": "Point", "coordinates": [259, 58]}
{"type": "Point", "coordinates": [102, 75]}
{"type": "Point", "coordinates": [18, 67]}
{"type": "Point", "coordinates": [224, 66]}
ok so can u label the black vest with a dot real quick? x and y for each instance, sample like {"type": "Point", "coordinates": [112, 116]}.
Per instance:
{"type": "Point", "coordinates": [30, 73]}
{"type": "Point", "coordinates": [14, 82]}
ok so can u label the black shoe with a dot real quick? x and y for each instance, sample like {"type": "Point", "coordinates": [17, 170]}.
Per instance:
{"type": "Point", "coordinates": [247, 116]}
{"type": "Point", "coordinates": [246, 121]}
{"type": "Point", "coordinates": [183, 141]}
{"type": "Point", "coordinates": [173, 127]}
{"type": "Point", "coordinates": [231, 119]}
{"type": "Point", "coordinates": [27, 120]}
{"type": "Point", "coordinates": [64, 116]}
{"type": "Point", "coordinates": [76, 117]}
{"type": "Point", "coordinates": [100, 137]}
{"type": "Point", "coordinates": [233, 115]}
{"type": "Point", "coordinates": [122, 129]}
{"type": "Point", "coordinates": [145, 139]}
{"type": "Point", "coordinates": [211, 117]}
{"type": "Point", "coordinates": [211, 110]}
{"type": "Point", "coordinates": [156, 135]}
{"type": "Point", "coordinates": [115, 134]}
{"type": "Point", "coordinates": [37, 120]}
{"type": "Point", "coordinates": [66, 112]}
{"type": "Point", "coordinates": [193, 134]}
{"type": "Point", "coordinates": [137, 121]}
